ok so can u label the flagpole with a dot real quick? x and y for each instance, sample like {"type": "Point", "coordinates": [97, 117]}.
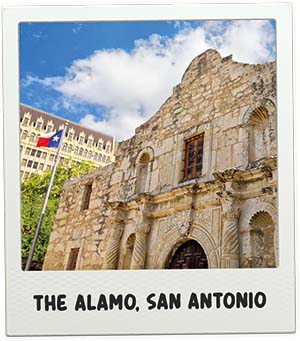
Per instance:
{"type": "Point", "coordinates": [37, 231]}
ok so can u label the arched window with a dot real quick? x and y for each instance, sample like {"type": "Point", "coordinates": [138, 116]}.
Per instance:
{"type": "Point", "coordinates": [128, 251]}
{"type": "Point", "coordinates": [262, 240]}
{"type": "Point", "coordinates": [81, 139]}
{"type": "Point", "coordinates": [80, 151]}
{"type": "Point", "coordinates": [96, 156]}
{"type": "Point", "coordinates": [25, 120]}
{"type": "Point", "coordinates": [24, 134]}
{"type": "Point", "coordinates": [39, 124]}
{"type": "Point", "coordinates": [259, 140]}
{"type": "Point", "coordinates": [32, 137]}
{"type": "Point", "coordinates": [142, 172]}
{"type": "Point", "coordinates": [100, 157]}
{"type": "Point", "coordinates": [103, 158]}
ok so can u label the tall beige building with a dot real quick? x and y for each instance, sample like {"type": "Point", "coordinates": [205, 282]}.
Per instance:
{"type": "Point", "coordinates": [196, 187]}
{"type": "Point", "coordinates": [79, 144]}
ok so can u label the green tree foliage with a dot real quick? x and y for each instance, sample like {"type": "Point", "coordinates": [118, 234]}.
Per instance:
{"type": "Point", "coordinates": [33, 192]}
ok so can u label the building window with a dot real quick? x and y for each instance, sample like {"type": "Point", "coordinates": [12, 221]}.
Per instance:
{"type": "Point", "coordinates": [32, 137]}
{"type": "Point", "coordinates": [41, 166]}
{"type": "Point", "coordinates": [65, 147]}
{"type": "Point", "coordinates": [49, 128]}
{"type": "Point", "coordinates": [73, 256]}
{"type": "Point", "coordinates": [24, 135]}
{"type": "Point", "coordinates": [51, 157]}
{"type": "Point", "coordinates": [24, 161]}
{"type": "Point", "coordinates": [76, 150]}
{"type": "Point", "coordinates": [100, 158]}
{"type": "Point", "coordinates": [25, 121]}
{"type": "Point", "coordinates": [48, 167]}
{"type": "Point", "coordinates": [193, 157]}
{"type": "Point", "coordinates": [39, 125]}
{"type": "Point", "coordinates": [26, 175]}
{"type": "Point", "coordinates": [70, 148]}
{"type": "Point", "coordinates": [35, 165]}
{"type": "Point", "coordinates": [32, 152]}
{"type": "Point", "coordinates": [27, 151]}
{"type": "Point", "coordinates": [38, 153]}
{"type": "Point", "coordinates": [104, 158]}
{"type": "Point", "coordinates": [29, 163]}
{"type": "Point", "coordinates": [86, 197]}
{"type": "Point", "coordinates": [44, 155]}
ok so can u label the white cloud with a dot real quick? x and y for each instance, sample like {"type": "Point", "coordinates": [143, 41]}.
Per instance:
{"type": "Point", "coordinates": [132, 85]}
{"type": "Point", "coordinates": [77, 28]}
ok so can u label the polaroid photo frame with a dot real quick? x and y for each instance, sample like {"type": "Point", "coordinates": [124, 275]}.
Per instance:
{"type": "Point", "coordinates": [188, 227]}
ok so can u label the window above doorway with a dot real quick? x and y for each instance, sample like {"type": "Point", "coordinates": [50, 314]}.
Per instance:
{"type": "Point", "coordinates": [193, 159]}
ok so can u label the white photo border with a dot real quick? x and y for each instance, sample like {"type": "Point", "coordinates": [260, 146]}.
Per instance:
{"type": "Point", "coordinates": [277, 283]}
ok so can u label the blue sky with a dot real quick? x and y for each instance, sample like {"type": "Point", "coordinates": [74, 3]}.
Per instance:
{"type": "Point", "coordinates": [112, 76]}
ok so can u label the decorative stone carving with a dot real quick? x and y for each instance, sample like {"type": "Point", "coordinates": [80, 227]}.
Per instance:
{"type": "Point", "coordinates": [203, 218]}
{"type": "Point", "coordinates": [230, 244]}
{"type": "Point", "coordinates": [179, 221]}
{"type": "Point", "coordinates": [139, 250]}
{"type": "Point", "coordinates": [112, 253]}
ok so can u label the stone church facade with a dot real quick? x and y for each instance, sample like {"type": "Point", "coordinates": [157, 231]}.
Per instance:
{"type": "Point", "coordinates": [195, 187]}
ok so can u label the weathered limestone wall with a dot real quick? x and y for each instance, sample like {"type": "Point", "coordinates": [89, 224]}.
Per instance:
{"type": "Point", "coordinates": [75, 228]}
{"type": "Point", "coordinates": [141, 210]}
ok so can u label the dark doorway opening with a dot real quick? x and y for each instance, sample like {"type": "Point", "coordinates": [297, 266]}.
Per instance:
{"type": "Point", "coordinates": [190, 255]}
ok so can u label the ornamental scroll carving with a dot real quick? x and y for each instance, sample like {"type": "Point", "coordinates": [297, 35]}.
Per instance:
{"type": "Point", "coordinates": [179, 221]}
{"type": "Point", "coordinates": [203, 218]}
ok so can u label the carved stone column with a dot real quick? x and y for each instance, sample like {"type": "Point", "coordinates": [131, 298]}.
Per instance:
{"type": "Point", "coordinates": [139, 249]}
{"type": "Point", "coordinates": [112, 252]}
{"type": "Point", "coordinates": [230, 256]}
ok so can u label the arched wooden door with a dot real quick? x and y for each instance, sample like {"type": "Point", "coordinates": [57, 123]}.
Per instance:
{"type": "Point", "coordinates": [190, 255]}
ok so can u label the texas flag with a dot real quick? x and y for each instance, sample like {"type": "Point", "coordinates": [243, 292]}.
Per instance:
{"type": "Point", "coordinates": [50, 140]}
